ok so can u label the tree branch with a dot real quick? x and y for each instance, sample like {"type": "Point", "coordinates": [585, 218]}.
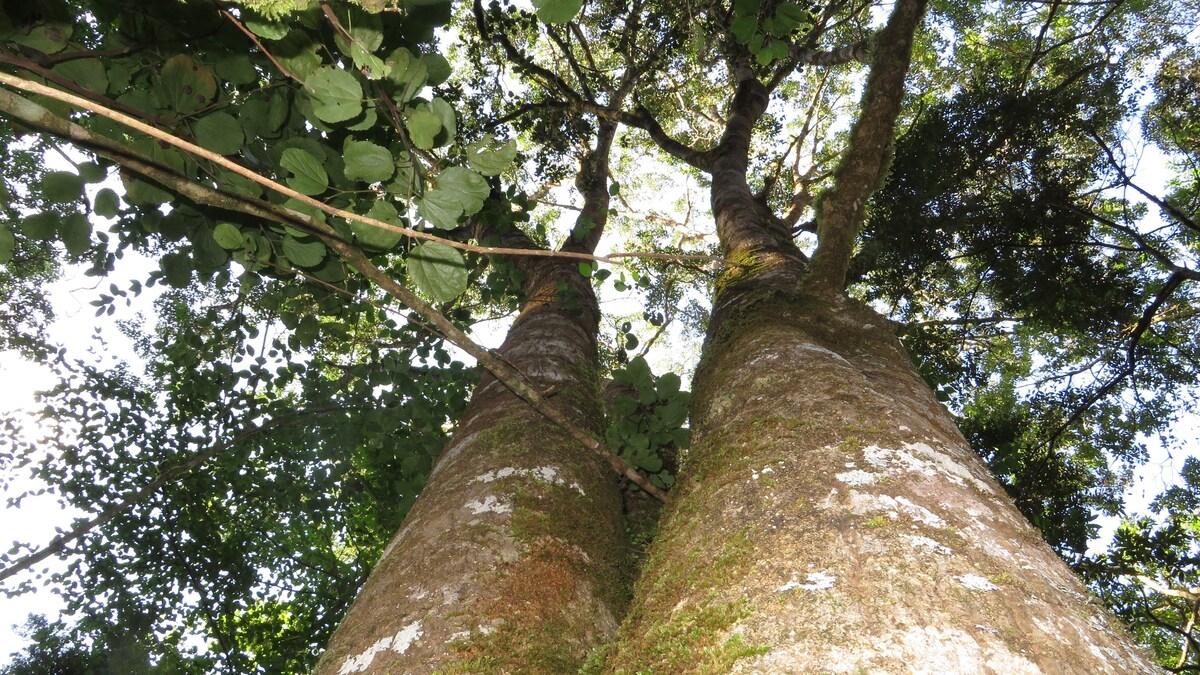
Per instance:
{"type": "Point", "coordinates": [32, 114]}
{"type": "Point", "coordinates": [865, 162]}
{"type": "Point", "coordinates": [39, 118]}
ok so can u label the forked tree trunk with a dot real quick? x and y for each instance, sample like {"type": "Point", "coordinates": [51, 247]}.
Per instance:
{"type": "Point", "coordinates": [831, 518]}
{"type": "Point", "coordinates": [512, 557]}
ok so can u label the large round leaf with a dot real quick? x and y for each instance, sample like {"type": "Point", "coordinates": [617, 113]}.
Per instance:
{"type": "Point", "coordinates": [557, 11]}
{"type": "Point", "coordinates": [336, 94]}
{"type": "Point", "coordinates": [368, 162]}
{"type": "Point", "coordinates": [309, 176]}
{"type": "Point", "coordinates": [438, 270]}
{"type": "Point", "coordinates": [377, 237]}
{"type": "Point", "coordinates": [219, 132]}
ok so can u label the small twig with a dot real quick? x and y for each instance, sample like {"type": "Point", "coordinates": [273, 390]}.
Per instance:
{"type": "Point", "coordinates": [38, 117]}
{"type": "Point", "coordinates": [36, 88]}
{"type": "Point", "coordinates": [254, 38]}
{"type": "Point", "coordinates": [168, 475]}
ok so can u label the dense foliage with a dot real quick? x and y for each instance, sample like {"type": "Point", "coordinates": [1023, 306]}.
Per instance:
{"type": "Point", "coordinates": [285, 412]}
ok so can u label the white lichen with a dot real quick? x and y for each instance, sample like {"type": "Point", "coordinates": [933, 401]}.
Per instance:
{"type": "Point", "coordinates": [817, 581]}
{"type": "Point", "coordinates": [857, 477]}
{"type": "Point", "coordinates": [489, 505]}
{"type": "Point", "coordinates": [925, 542]}
{"type": "Point", "coordinates": [546, 474]}
{"type": "Point", "coordinates": [399, 643]}
{"type": "Point", "coordinates": [977, 583]}
{"type": "Point", "coordinates": [924, 459]}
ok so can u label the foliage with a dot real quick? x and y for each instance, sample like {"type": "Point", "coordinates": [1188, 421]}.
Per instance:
{"type": "Point", "coordinates": [1150, 576]}
{"type": "Point", "coordinates": [292, 413]}
{"type": "Point", "coordinates": [646, 415]}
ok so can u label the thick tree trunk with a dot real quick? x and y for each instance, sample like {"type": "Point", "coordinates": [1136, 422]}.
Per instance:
{"type": "Point", "coordinates": [831, 518]}
{"type": "Point", "coordinates": [513, 555]}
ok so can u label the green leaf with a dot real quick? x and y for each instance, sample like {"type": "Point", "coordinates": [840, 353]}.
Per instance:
{"type": "Point", "coordinates": [76, 233]}
{"type": "Point", "coordinates": [377, 237]}
{"type": "Point", "coordinates": [40, 226]}
{"type": "Point", "coordinates": [438, 270]}
{"type": "Point", "coordinates": [649, 462]}
{"type": "Point", "coordinates": [744, 7]}
{"type": "Point", "coordinates": [423, 127]}
{"type": "Point", "coordinates": [208, 254]}
{"type": "Point", "coordinates": [277, 112]}
{"type": "Point", "coordinates": [140, 193]}
{"type": "Point", "coordinates": [440, 208]}
{"type": "Point", "coordinates": [303, 254]}
{"type": "Point", "coordinates": [445, 112]}
{"type": "Point", "coordinates": [178, 269]}
{"type": "Point", "coordinates": [299, 55]}
{"type": "Point", "coordinates": [367, 162]}
{"type": "Point", "coordinates": [366, 30]}
{"type": "Point", "coordinates": [743, 28]}
{"type": "Point", "coordinates": [557, 11]}
{"type": "Point", "coordinates": [336, 94]}
{"type": "Point", "coordinates": [47, 38]}
{"type": "Point", "coordinates": [236, 68]}
{"type": "Point", "coordinates": [228, 235]}
{"type": "Point", "coordinates": [61, 186]}
{"type": "Point", "coordinates": [8, 243]}
{"type": "Point", "coordinates": [368, 120]}
{"type": "Point", "coordinates": [490, 159]}
{"type": "Point", "coordinates": [470, 187]}
{"type": "Point", "coordinates": [91, 172]}
{"type": "Point", "coordinates": [439, 68]}
{"type": "Point", "coordinates": [309, 176]}
{"type": "Point", "coordinates": [106, 204]}
{"type": "Point", "coordinates": [408, 72]}
{"type": "Point", "coordinates": [265, 28]}
{"type": "Point", "coordinates": [792, 14]}
{"type": "Point", "coordinates": [86, 72]}
{"type": "Point", "coordinates": [371, 66]}
{"type": "Point", "coordinates": [185, 85]}
{"type": "Point", "coordinates": [219, 132]}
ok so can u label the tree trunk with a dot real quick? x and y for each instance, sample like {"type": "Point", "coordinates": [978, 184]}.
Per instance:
{"type": "Point", "coordinates": [512, 556]}
{"type": "Point", "coordinates": [831, 518]}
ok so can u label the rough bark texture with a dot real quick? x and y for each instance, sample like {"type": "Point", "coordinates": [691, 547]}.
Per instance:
{"type": "Point", "coordinates": [833, 519]}
{"type": "Point", "coordinates": [512, 556]}
{"type": "Point", "coordinates": [830, 518]}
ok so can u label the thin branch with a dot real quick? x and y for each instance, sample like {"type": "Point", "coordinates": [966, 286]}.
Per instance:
{"type": "Point", "coordinates": [644, 120]}
{"type": "Point", "coordinates": [39, 118]}
{"type": "Point", "coordinates": [1172, 284]}
{"type": "Point", "coordinates": [168, 475]}
{"type": "Point", "coordinates": [11, 107]}
{"type": "Point", "coordinates": [254, 38]}
{"type": "Point", "coordinates": [1126, 179]}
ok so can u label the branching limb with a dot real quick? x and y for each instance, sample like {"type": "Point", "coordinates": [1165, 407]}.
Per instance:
{"type": "Point", "coordinates": [644, 120]}
{"type": "Point", "coordinates": [33, 115]}
{"type": "Point", "coordinates": [39, 118]}
{"type": "Point", "coordinates": [865, 162]}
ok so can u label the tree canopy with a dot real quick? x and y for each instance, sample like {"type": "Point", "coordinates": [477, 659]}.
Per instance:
{"type": "Point", "coordinates": [322, 190]}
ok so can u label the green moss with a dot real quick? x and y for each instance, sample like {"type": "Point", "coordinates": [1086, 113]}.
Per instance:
{"type": "Point", "coordinates": [568, 542]}
{"type": "Point", "coordinates": [692, 639]}
{"type": "Point", "coordinates": [694, 635]}
{"type": "Point", "coordinates": [877, 521]}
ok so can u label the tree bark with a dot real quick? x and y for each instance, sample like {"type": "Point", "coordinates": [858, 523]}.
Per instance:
{"type": "Point", "coordinates": [831, 518]}
{"type": "Point", "coordinates": [514, 556]}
